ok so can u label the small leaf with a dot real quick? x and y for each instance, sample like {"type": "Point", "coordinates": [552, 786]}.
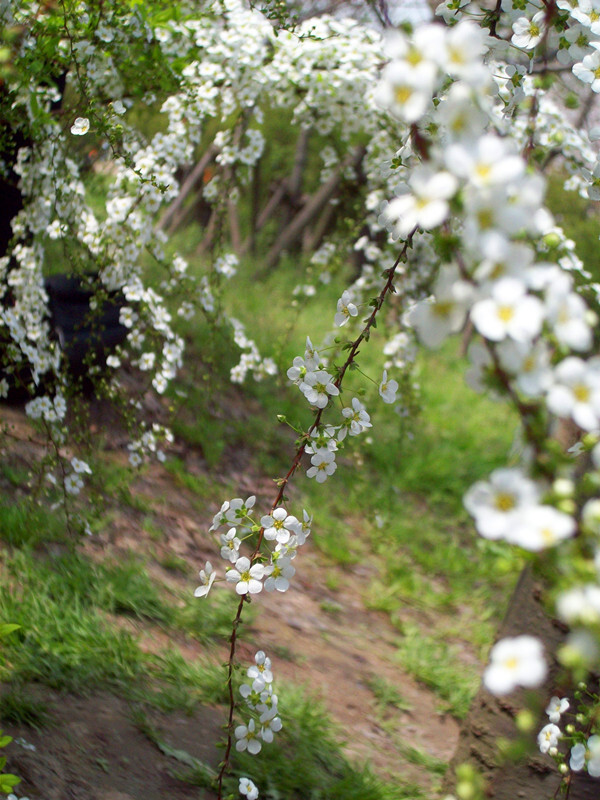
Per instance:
{"type": "Point", "coordinates": [7, 782]}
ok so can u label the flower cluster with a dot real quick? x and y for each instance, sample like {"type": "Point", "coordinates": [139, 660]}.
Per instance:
{"type": "Point", "coordinates": [506, 274]}
{"type": "Point", "coordinates": [584, 750]}
{"type": "Point", "coordinates": [318, 387]}
{"type": "Point", "coordinates": [262, 702]}
{"type": "Point", "coordinates": [270, 568]}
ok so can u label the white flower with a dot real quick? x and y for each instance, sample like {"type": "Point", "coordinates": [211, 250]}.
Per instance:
{"type": "Point", "coordinates": [247, 578]}
{"type": "Point", "coordinates": [548, 737]}
{"type": "Point", "coordinates": [146, 361]}
{"type": "Point", "coordinates": [73, 483]}
{"type": "Point", "coordinates": [220, 518]}
{"type": "Point", "coordinates": [260, 673]}
{"type": "Point", "coordinates": [230, 545]}
{"type": "Point", "coordinates": [318, 387]}
{"type": "Point", "coordinates": [207, 576]}
{"type": "Point", "coordinates": [323, 465]}
{"type": "Point", "coordinates": [510, 311]}
{"type": "Point", "coordinates": [325, 438]}
{"type": "Point", "coordinates": [576, 392]}
{"type": "Point", "coordinates": [388, 389]}
{"type": "Point", "coordinates": [580, 604]}
{"type": "Point", "coordinates": [567, 313]}
{"type": "Point", "coordinates": [577, 760]}
{"type": "Point", "coordinates": [587, 13]}
{"type": "Point", "coordinates": [530, 364]}
{"type": "Point", "coordinates": [248, 788]}
{"type": "Point", "coordinates": [279, 525]}
{"type": "Point", "coordinates": [405, 91]}
{"type": "Point", "coordinates": [306, 523]}
{"type": "Point", "coordinates": [269, 727]}
{"type": "Point", "coordinates": [424, 206]}
{"type": "Point", "coordinates": [279, 577]}
{"type": "Point", "coordinates": [311, 356]}
{"type": "Point", "coordinates": [495, 504]}
{"type": "Point", "coordinates": [246, 736]}
{"type": "Point", "coordinates": [135, 459]}
{"type": "Point", "coordinates": [297, 371]}
{"type": "Point", "coordinates": [238, 510]}
{"type": "Point", "coordinates": [356, 417]}
{"type": "Point", "coordinates": [538, 527]}
{"type": "Point", "coordinates": [80, 466]}
{"type": "Point", "coordinates": [517, 661]}
{"type": "Point", "coordinates": [593, 764]}
{"type": "Point", "coordinates": [444, 313]}
{"type": "Point", "coordinates": [488, 163]}
{"type": "Point", "coordinates": [556, 707]}
{"type": "Point", "coordinates": [462, 55]}
{"type": "Point", "coordinates": [588, 70]}
{"type": "Point", "coordinates": [345, 309]}
{"type": "Point", "coordinates": [528, 32]}
{"type": "Point", "coordinates": [81, 126]}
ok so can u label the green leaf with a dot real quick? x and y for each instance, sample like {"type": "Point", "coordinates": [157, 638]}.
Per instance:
{"type": "Point", "coordinates": [7, 628]}
{"type": "Point", "coordinates": [7, 782]}
{"type": "Point", "coordinates": [4, 740]}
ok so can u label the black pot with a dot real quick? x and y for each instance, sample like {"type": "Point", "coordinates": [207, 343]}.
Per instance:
{"type": "Point", "coordinates": [86, 335]}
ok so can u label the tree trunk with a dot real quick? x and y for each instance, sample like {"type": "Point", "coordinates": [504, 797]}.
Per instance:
{"type": "Point", "coordinates": [491, 718]}
{"type": "Point", "coordinates": [312, 207]}
{"type": "Point", "coordinates": [168, 221]}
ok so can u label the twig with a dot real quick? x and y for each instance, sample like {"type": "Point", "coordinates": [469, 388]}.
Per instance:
{"type": "Point", "coordinates": [283, 482]}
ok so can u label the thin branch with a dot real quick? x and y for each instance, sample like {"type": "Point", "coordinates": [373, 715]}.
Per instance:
{"type": "Point", "coordinates": [188, 186]}
{"type": "Point", "coordinates": [292, 231]}
{"type": "Point", "coordinates": [388, 288]}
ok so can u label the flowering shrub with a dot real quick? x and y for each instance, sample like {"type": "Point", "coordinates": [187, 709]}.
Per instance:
{"type": "Point", "coordinates": [452, 125]}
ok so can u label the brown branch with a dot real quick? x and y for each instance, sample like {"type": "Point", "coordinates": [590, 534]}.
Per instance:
{"type": "Point", "coordinates": [283, 482]}
{"type": "Point", "coordinates": [292, 231]}
{"type": "Point", "coordinates": [187, 187]}
{"type": "Point", "coordinates": [313, 240]}
{"type": "Point", "coordinates": [234, 226]}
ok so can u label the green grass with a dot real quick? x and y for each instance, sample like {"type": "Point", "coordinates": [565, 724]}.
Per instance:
{"type": "Point", "coordinates": [387, 695]}
{"type": "Point", "coordinates": [420, 758]}
{"type": "Point", "coordinates": [20, 707]}
{"type": "Point", "coordinates": [437, 665]}
{"type": "Point", "coordinates": [25, 524]}
{"type": "Point", "coordinates": [64, 607]}
{"type": "Point", "coordinates": [304, 762]}
{"type": "Point", "coordinates": [579, 219]}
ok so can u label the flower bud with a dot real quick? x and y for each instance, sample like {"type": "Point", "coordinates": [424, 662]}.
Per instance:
{"type": "Point", "coordinates": [525, 721]}
{"type": "Point", "coordinates": [567, 506]}
{"type": "Point", "coordinates": [551, 240]}
{"type": "Point", "coordinates": [465, 790]}
{"type": "Point", "coordinates": [563, 487]}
